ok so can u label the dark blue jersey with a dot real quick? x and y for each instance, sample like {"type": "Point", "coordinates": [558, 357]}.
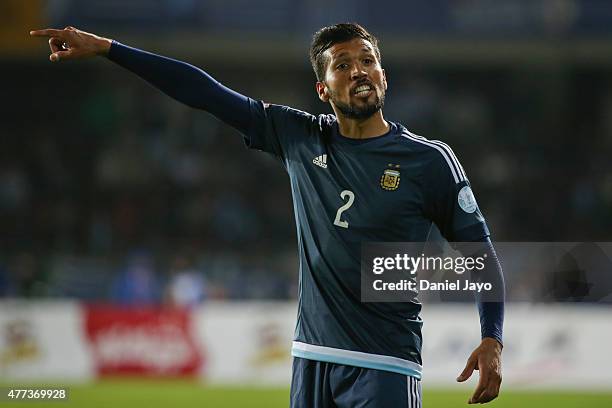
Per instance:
{"type": "Point", "coordinates": [345, 191]}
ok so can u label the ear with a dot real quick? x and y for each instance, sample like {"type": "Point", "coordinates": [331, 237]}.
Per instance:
{"type": "Point", "coordinates": [321, 89]}
{"type": "Point", "coordinates": [384, 79]}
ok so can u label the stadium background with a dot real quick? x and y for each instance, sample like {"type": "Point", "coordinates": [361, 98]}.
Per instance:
{"type": "Point", "coordinates": [116, 199]}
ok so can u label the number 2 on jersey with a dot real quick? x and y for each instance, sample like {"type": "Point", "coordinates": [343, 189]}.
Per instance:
{"type": "Point", "coordinates": [351, 198]}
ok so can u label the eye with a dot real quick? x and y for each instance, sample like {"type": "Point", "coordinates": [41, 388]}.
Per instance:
{"type": "Point", "coordinates": [342, 66]}
{"type": "Point", "coordinates": [368, 61]}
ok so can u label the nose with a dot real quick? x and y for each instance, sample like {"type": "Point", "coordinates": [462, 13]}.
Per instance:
{"type": "Point", "coordinates": [358, 71]}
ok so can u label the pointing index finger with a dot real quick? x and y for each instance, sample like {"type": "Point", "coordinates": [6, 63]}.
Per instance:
{"type": "Point", "coordinates": [49, 32]}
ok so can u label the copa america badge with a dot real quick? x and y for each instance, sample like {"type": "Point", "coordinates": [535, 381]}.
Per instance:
{"type": "Point", "coordinates": [466, 200]}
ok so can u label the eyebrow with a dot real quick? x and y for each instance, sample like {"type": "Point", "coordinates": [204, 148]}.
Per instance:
{"type": "Point", "coordinates": [344, 53]}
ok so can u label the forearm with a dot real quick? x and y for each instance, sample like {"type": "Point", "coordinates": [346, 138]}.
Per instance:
{"type": "Point", "coordinates": [491, 319]}
{"type": "Point", "coordinates": [491, 304]}
{"type": "Point", "coordinates": [185, 83]}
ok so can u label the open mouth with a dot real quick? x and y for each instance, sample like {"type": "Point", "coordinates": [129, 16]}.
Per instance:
{"type": "Point", "coordinates": [363, 90]}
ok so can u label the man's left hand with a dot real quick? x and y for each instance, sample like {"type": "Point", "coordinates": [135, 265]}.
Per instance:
{"type": "Point", "coordinates": [487, 360]}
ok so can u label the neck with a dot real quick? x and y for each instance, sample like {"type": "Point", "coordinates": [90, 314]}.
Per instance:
{"type": "Point", "coordinates": [375, 125]}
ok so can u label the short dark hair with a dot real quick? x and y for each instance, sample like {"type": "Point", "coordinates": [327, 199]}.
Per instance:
{"type": "Point", "coordinates": [329, 36]}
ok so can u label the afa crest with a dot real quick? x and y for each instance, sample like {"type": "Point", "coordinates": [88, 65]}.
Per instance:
{"type": "Point", "coordinates": [391, 177]}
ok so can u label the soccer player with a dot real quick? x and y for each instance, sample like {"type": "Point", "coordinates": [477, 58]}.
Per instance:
{"type": "Point", "coordinates": [355, 177]}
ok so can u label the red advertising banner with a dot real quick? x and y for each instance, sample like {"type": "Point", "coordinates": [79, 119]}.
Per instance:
{"type": "Point", "coordinates": [145, 341]}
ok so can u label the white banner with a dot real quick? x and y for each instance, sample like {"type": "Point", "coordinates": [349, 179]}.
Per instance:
{"type": "Point", "coordinates": [561, 346]}
{"type": "Point", "coordinates": [246, 342]}
{"type": "Point", "coordinates": [43, 341]}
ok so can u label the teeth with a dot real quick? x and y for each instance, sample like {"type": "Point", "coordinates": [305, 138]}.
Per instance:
{"type": "Point", "coordinates": [362, 88]}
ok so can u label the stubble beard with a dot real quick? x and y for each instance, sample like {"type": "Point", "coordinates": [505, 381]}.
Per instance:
{"type": "Point", "coordinates": [351, 111]}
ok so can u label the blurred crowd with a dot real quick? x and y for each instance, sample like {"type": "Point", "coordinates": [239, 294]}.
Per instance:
{"type": "Point", "coordinates": [110, 191]}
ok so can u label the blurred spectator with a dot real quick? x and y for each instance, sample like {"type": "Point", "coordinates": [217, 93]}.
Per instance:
{"type": "Point", "coordinates": [6, 284]}
{"type": "Point", "coordinates": [137, 283]}
{"type": "Point", "coordinates": [186, 285]}
{"type": "Point", "coordinates": [14, 188]}
{"type": "Point", "coordinates": [25, 274]}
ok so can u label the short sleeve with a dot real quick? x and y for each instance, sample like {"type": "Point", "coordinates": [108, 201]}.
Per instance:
{"type": "Point", "coordinates": [450, 202]}
{"type": "Point", "coordinates": [276, 129]}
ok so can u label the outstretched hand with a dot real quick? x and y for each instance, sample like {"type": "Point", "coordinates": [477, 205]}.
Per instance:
{"type": "Point", "coordinates": [487, 360]}
{"type": "Point", "coordinates": [70, 43]}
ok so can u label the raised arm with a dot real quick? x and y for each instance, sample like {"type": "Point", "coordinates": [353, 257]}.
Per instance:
{"type": "Point", "coordinates": [181, 81]}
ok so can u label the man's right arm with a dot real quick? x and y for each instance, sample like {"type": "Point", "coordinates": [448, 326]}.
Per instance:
{"type": "Point", "coordinates": [179, 80]}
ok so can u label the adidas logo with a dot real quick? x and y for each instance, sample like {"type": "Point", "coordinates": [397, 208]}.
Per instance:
{"type": "Point", "coordinates": [321, 161]}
